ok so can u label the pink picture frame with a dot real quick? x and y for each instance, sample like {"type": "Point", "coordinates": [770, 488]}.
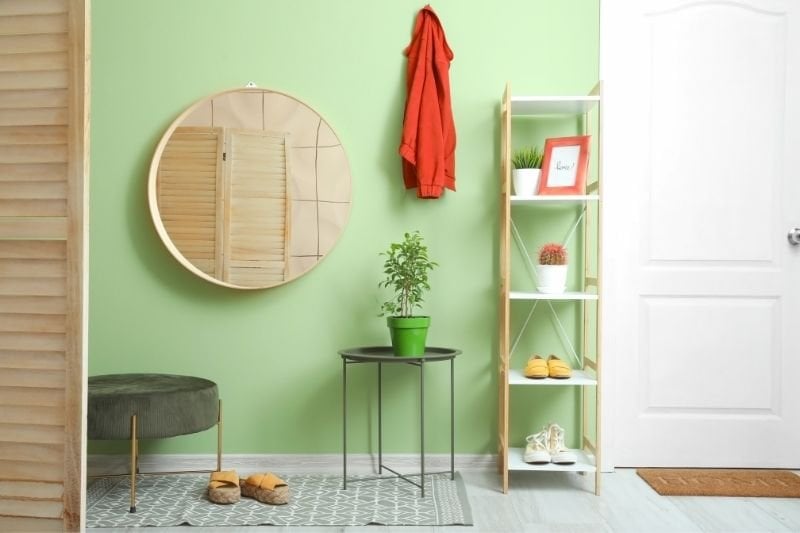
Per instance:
{"type": "Point", "coordinates": [565, 165]}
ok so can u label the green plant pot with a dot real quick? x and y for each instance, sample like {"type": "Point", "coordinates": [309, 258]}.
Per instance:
{"type": "Point", "coordinates": [408, 334]}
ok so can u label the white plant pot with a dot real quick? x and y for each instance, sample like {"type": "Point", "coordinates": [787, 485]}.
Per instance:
{"type": "Point", "coordinates": [526, 181]}
{"type": "Point", "coordinates": [552, 278]}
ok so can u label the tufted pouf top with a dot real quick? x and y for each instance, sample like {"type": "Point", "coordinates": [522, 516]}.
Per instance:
{"type": "Point", "coordinates": [165, 405]}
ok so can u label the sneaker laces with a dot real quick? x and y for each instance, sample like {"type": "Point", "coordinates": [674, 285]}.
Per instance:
{"type": "Point", "coordinates": [555, 438]}
{"type": "Point", "coordinates": [538, 440]}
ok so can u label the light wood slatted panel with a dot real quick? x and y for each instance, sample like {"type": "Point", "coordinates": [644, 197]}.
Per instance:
{"type": "Point", "coordinates": [37, 525]}
{"type": "Point", "coordinates": [32, 508]}
{"type": "Point", "coordinates": [31, 100]}
{"type": "Point", "coordinates": [16, 227]}
{"type": "Point", "coordinates": [32, 61]}
{"type": "Point", "coordinates": [48, 79]}
{"type": "Point", "coordinates": [188, 184]}
{"type": "Point", "coordinates": [28, 433]}
{"type": "Point", "coordinates": [32, 323]}
{"type": "Point", "coordinates": [18, 286]}
{"type": "Point", "coordinates": [43, 167]}
{"type": "Point", "coordinates": [12, 491]}
{"type": "Point", "coordinates": [256, 237]}
{"type": "Point", "coordinates": [32, 44]}
{"type": "Point", "coordinates": [34, 24]}
{"type": "Point", "coordinates": [35, 305]}
{"type": "Point", "coordinates": [31, 489]}
{"type": "Point", "coordinates": [33, 117]}
{"type": "Point", "coordinates": [33, 378]}
{"type": "Point", "coordinates": [46, 416]}
{"type": "Point", "coordinates": [14, 395]}
{"type": "Point", "coordinates": [32, 7]}
{"type": "Point", "coordinates": [33, 172]}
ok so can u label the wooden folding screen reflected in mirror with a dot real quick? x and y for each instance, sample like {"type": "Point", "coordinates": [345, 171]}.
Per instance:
{"type": "Point", "coordinates": [256, 228]}
{"type": "Point", "coordinates": [189, 184]}
{"type": "Point", "coordinates": [223, 199]}
{"type": "Point", "coordinates": [249, 188]}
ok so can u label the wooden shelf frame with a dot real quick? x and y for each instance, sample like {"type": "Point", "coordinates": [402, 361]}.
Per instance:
{"type": "Point", "coordinates": [589, 375]}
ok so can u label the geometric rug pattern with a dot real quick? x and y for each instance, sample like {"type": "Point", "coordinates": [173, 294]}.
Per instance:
{"type": "Point", "coordinates": [722, 482]}
{"type": "Point", "coordinates": [316, 500]}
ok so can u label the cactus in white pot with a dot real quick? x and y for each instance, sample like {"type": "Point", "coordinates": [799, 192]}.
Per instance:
{"type": "Point", "coordinates": [551, 271]}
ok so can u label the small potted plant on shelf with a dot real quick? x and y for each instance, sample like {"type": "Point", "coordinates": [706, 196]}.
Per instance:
{"type": "Point", "coordinates": [551, 272]}
{"type": "Point", "coordinates": [527, 169]}
{"type": "Point", "coordinates": [406, 268]}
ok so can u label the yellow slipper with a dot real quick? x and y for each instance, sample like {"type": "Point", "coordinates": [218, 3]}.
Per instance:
{"type": "Point", "coordinates": [558, 369]}
{"type": "Point", "coordinates": [266, 488]}
{"type": "Point", "coordinates": [223, 487]}
{"type": "Point", "coordinates": [536, 368]}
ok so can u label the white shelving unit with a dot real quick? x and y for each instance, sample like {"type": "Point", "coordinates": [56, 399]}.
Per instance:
{"type": "Point", "coordinates": [587, 377]}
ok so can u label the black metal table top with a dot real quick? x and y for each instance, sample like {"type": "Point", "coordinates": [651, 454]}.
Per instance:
{"type": "Point", "coordinates": [384, 354]}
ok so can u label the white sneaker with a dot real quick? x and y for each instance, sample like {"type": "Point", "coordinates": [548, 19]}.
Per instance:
{"type": "Point", "coordinates": [559, 453]}
{"type": "Point", "coordinates": [536, 450]}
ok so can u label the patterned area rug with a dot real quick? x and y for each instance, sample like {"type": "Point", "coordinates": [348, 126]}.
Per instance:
{"type": "Point", "coordinates": [173, 500]}
{"type": "Point", "coordinates": [722, 482]}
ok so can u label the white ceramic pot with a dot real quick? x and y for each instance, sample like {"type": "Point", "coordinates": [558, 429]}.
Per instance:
{"type": "Point", "coordinates": [552, 278]}
{"type": "Point", "coordinates": [526, 181]}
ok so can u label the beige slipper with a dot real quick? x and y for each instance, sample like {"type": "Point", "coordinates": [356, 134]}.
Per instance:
{"type": "Point", "coordinates": [266, 488]}
{"type": "Point", "coordinates": [223, 487]}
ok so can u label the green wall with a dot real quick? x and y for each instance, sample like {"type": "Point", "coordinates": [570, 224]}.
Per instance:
{"type": "Point", "coordinates": [273, 352]}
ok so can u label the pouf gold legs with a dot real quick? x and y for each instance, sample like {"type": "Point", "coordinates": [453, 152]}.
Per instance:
{"type": "Point", "coordinates": [219, 437]}
{"type": "Point", "coordinates": [135, 456]}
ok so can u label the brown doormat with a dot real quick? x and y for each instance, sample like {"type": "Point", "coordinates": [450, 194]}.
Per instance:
{"type": "Point", "coordinates": [719, 482]}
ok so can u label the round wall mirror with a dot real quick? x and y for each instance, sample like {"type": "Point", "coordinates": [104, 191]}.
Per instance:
{"type": "Point", "coordinates": [249, 188]}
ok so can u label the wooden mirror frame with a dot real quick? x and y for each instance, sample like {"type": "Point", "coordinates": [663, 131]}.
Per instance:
{"type": "Point", "coordinates": [293, 117]}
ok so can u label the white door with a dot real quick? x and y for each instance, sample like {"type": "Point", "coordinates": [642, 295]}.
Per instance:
{"type": "Point", "coordinates": [701, 186]}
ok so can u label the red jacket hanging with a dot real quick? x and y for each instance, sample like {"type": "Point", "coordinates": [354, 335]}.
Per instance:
{"type": "Point", "coordinates": [429, 135]}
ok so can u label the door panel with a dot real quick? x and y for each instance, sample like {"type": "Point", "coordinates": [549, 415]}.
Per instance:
{"type": "Point", "coordinates": [701, 282]}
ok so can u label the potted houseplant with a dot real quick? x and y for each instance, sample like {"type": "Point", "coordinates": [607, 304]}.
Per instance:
{"type": "Point", "coordinates": [551, 272]}
{"type": "Point", "coordinates": [527, 169]}
{"type": "Point", "coordinates": [406, 269]}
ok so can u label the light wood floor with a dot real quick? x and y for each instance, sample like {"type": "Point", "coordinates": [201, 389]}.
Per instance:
{"type": "Point", "coordinates": [561, 502]}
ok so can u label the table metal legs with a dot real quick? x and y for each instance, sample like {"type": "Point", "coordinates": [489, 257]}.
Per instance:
{"type": "Point", "coordinates": [344, 424]}
{"type": "Point", "coordinates": [380, 418]}
{"type": "Point", "coordinates": [381, 466]}
{"type": "Point", "coordinates": [422, 427]}
{"type": "Point", "coordinates": [452, 425]}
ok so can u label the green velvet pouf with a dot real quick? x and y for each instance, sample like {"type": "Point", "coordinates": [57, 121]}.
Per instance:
{"type": "Point", "coordinates": [165, 405]}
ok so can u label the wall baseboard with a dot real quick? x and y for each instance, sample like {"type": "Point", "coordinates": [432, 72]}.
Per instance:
{"type": "Point", "coordinates": [357, 463]}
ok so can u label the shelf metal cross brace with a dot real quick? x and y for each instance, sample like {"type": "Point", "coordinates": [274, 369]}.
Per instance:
{"type": "Point", "coordinates": [532, 272]}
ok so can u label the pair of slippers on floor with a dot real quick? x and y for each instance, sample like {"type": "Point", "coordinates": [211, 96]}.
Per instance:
{"type": "Point", "coordinates": [226, 487]}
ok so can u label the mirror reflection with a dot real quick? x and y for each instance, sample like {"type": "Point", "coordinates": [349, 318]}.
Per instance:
{"type": "Point", "coordinates": [249, 188]}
